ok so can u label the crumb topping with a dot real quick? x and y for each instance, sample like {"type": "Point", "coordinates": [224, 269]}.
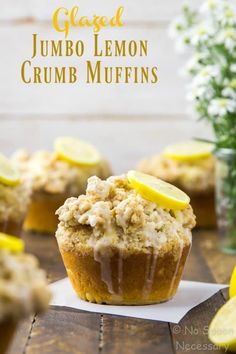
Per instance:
{"type": "Point", "coordinates": [113, 214]}
{"type": "Point", "coordinates": [14, 200]}
{"type": "Point", "coordinates": [23, 286]}
{"type": "Point", "coordinates": [52, 175]}
{"type": "Point", "coordinates": [192, 176]}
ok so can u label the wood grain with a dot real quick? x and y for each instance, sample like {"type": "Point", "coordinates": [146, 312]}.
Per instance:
{"type": "Point", "coordinates": [63, 330]}
{"type": "Point", "coordinates": [45, 248]}
{"type": "Point", "coordinates": [128, 335]}
{"type": "Point", "coordinates": [191, 334]}
{"type": "Point", "coordinates": [220, 264]}
{"type": "Point", "coordinates": [196, 268]}
{"type": "Point", "coordinates": [21, 337]}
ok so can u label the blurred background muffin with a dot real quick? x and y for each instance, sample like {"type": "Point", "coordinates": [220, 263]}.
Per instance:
{"type": "Point", "coordinates": [15, 192]}
{"type": "Point", "coordinates": [191, 167]}
{"type": "Point", "coordinates": [56, 176]}
{"type": "Point", "coordinates": [23, 287]}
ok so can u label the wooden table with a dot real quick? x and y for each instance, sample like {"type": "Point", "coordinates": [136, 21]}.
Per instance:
{"type": "Point", "coordinates": [63, 330]}
{"type": "Point", "coordinates": [142, 120]}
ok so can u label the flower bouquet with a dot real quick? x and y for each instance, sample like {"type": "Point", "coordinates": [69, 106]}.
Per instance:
{"type": "Point", "coordinates": [211, 34]}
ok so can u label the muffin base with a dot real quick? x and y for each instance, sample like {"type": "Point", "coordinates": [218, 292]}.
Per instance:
{"type": "Point", "coordinates": [7, 331]}
{"type": "Point", "coordinates": [204, 208]}
{"type": "Point", "coordinates": [135, 279]}
{"type": "Point", "coordinates": [41, 214]}
{"type": "Point", "coordinates": [11, 227]}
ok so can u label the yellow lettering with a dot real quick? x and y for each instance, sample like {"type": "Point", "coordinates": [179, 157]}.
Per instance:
{"type": "Point", "coordinates": [56, 21]}
{"type": "Point", "coordinates": [23, 71]}
{"type": "Point", "coordinates": [73, 15]}
{"type": "Point", "coordinates": [94, 74]}
{"type": "Point", "coordinates": [72, 75]}
{"type": "Point", "coordinates": [154, 74]}
{"type": "Point", "coordinates": [116, 20]}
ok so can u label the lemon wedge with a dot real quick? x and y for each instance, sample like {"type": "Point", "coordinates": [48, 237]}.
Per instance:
{"type": "Point", "coordinates": [11, 243]}
{"type": "Point", "coordinates": [222, 330]}
{"type": "Point", "coordinates": [188, 151]}
{"type": "Point", "coordinates": [232, 284]}
{"type": "Point", "coordinates": [162, 193]}
{"type": "Point", "coordinates": [76, 151]}
{"type": "Point", "coordinates": [8, 174]}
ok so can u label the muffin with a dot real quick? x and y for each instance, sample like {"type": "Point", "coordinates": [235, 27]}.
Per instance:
{"type": "Point", "coordinates": [194, 176]}
{"type": "Point", "coordinates": [54, 180]}
{"type": "Point", "coordinates": [120, 248]}
{"type": "Point", "coordinates": [23, 291]}
{"type": "Point", "coordinates": [15, 195]}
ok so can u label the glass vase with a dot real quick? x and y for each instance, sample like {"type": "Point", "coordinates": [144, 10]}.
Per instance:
{"type": "Point", "coordinates": [226, 199]}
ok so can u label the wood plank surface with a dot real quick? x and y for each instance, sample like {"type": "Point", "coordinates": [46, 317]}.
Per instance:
{"type": "Point", "coordinates": [221, 265]}
{"type": "Point", "coordinates": [126, 123]}
{"type": "Point", "coordinates": [191, 333]}
{"type": "Point", "coordinates": [63, 330]}
{"type": "Point", "coordinates": [130, 335]}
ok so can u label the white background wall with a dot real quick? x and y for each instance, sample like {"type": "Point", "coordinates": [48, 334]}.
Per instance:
{"type": "Point", "coordinates": [143, 20]}
{"type": "Point", "coordinates": [125, 121]}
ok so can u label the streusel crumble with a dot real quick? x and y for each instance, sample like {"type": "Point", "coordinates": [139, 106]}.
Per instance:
{"type": "Point", "coordinates": [121, 248]}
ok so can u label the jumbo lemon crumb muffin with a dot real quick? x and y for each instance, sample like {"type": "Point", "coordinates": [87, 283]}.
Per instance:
{"type": "Point", "coordinates": [193, 174]}
{"type": "Point", "coordinates": [23, 290]}
{"type": "Point", "coordinates": [119, 248]}
{"type": "Point", "coordinates": [54, 180]}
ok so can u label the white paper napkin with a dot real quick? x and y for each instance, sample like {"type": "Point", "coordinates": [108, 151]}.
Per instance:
{"type": "Point", "coordinates": [189, 295]}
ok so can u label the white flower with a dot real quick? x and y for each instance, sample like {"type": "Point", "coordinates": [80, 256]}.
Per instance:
{"type": "Point", "coordinates": [176, 27]}
{"type": "Point", "coordinates": [196, 93]}
{"type": "Point", "coordinates": [233, 68]}
{"type": "Point", "coordinates": [227, 16]}
{"type": "Point", "coordinates": [230, 89]}
{"type": "Point", "coordinates": [193, 64]}
{"type": "Point", "coordinates": [200, 92]}
{"type": "Point", "coordinates": [209, 67]}
{"type": "Point", "coordinates": [211, 5]}
{"type": "Point", "coordinates": [221, 106]}
{"type": "Point", "coordinates": [206, 74]}
{"type": "Point", "coordinates": [202, 34]}
{"type": "Point", "coordinates": [229, 92]}
{"type": "Point", "coordinates": [228, 38]}
{"type": "Point", "coordinates": [181, 43]}
{"type": "Point", "coordinates": [232, 84]}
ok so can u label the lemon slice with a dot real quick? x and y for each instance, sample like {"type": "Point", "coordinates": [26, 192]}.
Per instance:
{"type": "Point", "coordinates": [162, 193]}
{"type": "Point", "coordinates": [11, 243]}
{"type": "Point", "coordinates": [188, 151]}
{"type": "Point", "coordinates": [222, 330]}
{"type": "Point", "coordinates": [232, 284]}
{"type": "Point", "coordinates": [76, 151]}
{"type": "Point", "coordinates": [8, 174]}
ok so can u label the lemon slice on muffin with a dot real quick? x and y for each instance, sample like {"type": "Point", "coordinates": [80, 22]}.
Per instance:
{"type": "Point", "coordinates": [76, 151]}
{"type": "Point", "coordinates": [8, 174]}
{"type": "Point", "coordinates": [222, 330]}
{"type": "Point", "coordinates": [188, 151]}
{"type": "Point", "coordinates": [232, 284]}
{"type": "Point", "coordinates": [160, 192]}
{"type": "Point", "coordinates": [11, 243]}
